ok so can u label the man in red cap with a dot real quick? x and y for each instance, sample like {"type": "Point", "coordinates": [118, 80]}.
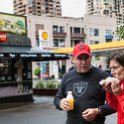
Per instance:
{"type": "Point", "coordinates": [89, 96]}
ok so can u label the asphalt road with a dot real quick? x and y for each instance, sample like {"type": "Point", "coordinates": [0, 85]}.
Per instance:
{"type": "Point", "coordinates": [42, 111]}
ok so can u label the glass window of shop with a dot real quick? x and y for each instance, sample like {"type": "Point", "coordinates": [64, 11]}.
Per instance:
{"type": "Point", "coordinates": [8, 71]}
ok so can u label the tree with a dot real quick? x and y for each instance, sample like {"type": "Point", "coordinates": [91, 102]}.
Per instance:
{"type": "Point", "coordinates": [120, 32]}
{"type": "Point", "coordinates": [37, 72]}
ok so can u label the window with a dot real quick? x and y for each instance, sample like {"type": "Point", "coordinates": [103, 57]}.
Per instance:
{"type": "Point", "coordinates": [5, 70]}
{"type": "Point", "coordinates": [108, 32]}
{"type": "Point", "coordinates": [28, 69]}
{"type": "Point", "coordinates": [93, 32]}
{"type": "Point", "coordinates": [55, 28]}
{"type": "Point", "coordinates": [71, 29]}
{"type": "Point", "coordinates": [58, 29]}
{"type": "Point", "coordinates": [55, 43]}
{"type": "Point", "coordinates": [93, 42]}
{"type": "Point", "coordinates": [59, 43]}
{"type": "Point", "coordinates": [4, 67]}
{"type": "Point", "coordinates": [82, 30]}
{"type": "Point", "coordinates": [96, 32]}
{"type": "Point", "coordinates": [62, 43]}
{"type": "Point", "coordinates": [96, 42]}
{"type": "Point", "coordinates": [61, 29]}
{"type": "Point", "coordinates": [76, 30]}
{"type": "Point", "coordinates": [37, 41]}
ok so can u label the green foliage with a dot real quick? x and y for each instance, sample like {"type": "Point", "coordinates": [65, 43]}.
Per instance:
{"type": "Point", "coordinates": [120, 32]}
{"type": "Point", "coordinates": [48, 84]}
{"type": "Point", "coordinates": [40, 85]}
{"type": "Point", "coordinates": [51, 85]}
{"type": "Point", "coordinates": [37, 72]}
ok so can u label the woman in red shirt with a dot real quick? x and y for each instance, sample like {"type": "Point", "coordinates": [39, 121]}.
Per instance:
{"type": "Point", "coordinates": [115, 86]}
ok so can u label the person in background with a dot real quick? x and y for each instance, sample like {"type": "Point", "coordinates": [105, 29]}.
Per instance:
{"type": "Point", "coordinates": [19, 66]}
{"type": "Point", "coordinates": [89, 96]}
{"type": "Point", "coordinates": [115, 86]}
{"type": "Point", "coordinates": [72, 65]}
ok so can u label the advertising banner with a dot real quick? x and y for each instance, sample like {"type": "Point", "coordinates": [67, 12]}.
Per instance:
{"type": "Point", "coordinates": [11, 23]}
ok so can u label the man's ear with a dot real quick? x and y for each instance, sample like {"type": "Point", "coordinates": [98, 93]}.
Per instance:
{"type": "Point", "coordinates": [72, 60]}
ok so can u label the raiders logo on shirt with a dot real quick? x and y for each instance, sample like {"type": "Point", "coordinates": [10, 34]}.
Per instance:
{"type": "Point", "coordinates": [79, 88]}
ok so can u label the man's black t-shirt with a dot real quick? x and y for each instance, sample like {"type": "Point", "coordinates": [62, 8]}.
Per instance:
{"type": "Point", "coordinates": [87, 94]}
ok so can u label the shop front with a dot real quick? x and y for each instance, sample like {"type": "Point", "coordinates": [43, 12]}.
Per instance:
{"type": "Point", "coordinates": [16, 57]}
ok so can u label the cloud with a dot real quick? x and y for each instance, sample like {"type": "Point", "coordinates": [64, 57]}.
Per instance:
{"type": "Point", "coordinates": [73, 8]}
{"type": "Point", "coordinates": [6, 6]}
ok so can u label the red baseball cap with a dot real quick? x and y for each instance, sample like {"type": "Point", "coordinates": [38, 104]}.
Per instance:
{"type": "Point", "coordinates": [81, 48]}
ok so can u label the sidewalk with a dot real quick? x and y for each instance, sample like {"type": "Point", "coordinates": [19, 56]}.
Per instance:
{"type": "Point", "coordinates": [41, 111]}
{"type": "Point", "coordinates": [11, 91]}
{"type": "Point", "coordinates": [43, 99]}
{"type": "Point", "coordinates": [36, 100]}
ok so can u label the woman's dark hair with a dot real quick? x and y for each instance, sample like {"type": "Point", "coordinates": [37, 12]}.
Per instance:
{"type": "Point", "coordinates": [117, 56]}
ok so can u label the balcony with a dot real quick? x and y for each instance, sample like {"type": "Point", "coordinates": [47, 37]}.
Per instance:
{"type": "Point", "coordinates": [77, 35]}
{"type": "Point", "coordinates": [59, 34]}
{"type": "Point", "coordinates": [107, 37]}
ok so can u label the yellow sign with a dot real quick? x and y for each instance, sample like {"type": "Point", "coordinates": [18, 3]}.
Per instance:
{"type": "Point", "coordinates": [43, 35]}
{"type": "Point", "coordinates": [96, 47]}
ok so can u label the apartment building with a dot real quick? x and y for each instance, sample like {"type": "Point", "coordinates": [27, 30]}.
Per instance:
{"type": "Point", "coordinates": [111, 8]}
{"type": "Point", "coordinates": [50, 8]}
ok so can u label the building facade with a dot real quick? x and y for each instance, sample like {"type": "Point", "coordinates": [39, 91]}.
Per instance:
{"type": "Point", "coordinates": [67, 32]}
{"type": "Point", "coordinates": [111, 8]}
{"type": "Point", "coordinates": [99, 29]}
{"type": "Point", "coordinates": [50, 8]}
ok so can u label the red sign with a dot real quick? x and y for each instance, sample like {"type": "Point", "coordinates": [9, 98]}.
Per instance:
{"type": "Point", "coordinates": [3, 37]}
{"type": "Point", "coordinates": [45, 75]}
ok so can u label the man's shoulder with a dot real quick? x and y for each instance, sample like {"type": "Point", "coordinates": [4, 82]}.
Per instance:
{"type": "Point", "coordinates": [69, 73]}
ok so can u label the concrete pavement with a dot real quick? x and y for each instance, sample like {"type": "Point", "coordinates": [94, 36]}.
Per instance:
{"type": "Point", "coordinates": [42, 111]}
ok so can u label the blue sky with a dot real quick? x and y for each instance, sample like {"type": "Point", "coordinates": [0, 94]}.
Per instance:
{"type": "Point", "coordinates": [71, 8]}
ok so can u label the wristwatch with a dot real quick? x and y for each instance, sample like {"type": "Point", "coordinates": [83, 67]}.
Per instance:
{"type": "Point", "coordinates": [100, 111]}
